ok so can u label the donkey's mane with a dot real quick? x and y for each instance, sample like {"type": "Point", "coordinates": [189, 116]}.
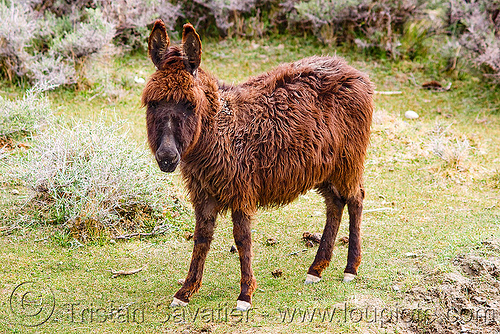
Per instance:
{"type": "Point", "coordinates": [173, 54]}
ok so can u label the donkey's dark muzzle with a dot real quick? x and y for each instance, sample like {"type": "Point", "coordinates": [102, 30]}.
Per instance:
{"type": "Point", "coordinates": [167, 161]}
{"type": "Point", "coordinates": [168, 167]}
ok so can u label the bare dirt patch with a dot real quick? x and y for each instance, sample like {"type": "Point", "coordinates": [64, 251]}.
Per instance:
{"type": "Point", "coordinates": [465, 301]}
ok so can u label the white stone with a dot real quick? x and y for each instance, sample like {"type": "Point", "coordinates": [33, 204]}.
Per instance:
{"type": "Point", "coordinates": [410, 114]}
{"type": "Point", "coordinates": [139, 80]}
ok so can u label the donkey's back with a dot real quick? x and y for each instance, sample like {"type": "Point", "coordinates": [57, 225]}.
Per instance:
{"type": "Point", "coordinates": [296, 127]}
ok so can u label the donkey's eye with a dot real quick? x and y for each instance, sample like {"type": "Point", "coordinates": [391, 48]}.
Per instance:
{"type": "Point", "coordinates": [153, 104]}
{"type": "Point", "coordinates": [190, 108]}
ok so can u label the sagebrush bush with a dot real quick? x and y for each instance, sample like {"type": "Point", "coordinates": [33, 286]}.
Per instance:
{"type": "Point", "coordinates": [479, 24]}
{"type": "Point", "coordinates": [23, 117]}
{"type": "Point", "coordinates": [88, 37]}
{"type": "Point", "coordinates": [131, 18]}
{"type": "Point", "coordinates": [370, 24]}
{"type": "Point", "coordinates": [93, 179]}
{"type": "Point", "coordinates": [225, 12]}
{"type": "Point", "coordinates": [51, 69]}
{"type": "Point", "coordinates": [42, 47]}
{"type": "Point", "coordinates": [17, 26]}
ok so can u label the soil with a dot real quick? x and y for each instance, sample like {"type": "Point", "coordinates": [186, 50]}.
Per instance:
{"type": "Point", "coordinates": [464, 301]}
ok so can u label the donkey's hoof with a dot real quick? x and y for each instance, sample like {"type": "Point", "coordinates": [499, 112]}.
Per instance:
{"type": "Point", "coordinates": [243, 305]}
{"type": "Point", "coordinates": [177, 302]}
{"type": "Point", "coordinates": [312, 279]}
{"type": "Point", "coordinates": [348, 277]}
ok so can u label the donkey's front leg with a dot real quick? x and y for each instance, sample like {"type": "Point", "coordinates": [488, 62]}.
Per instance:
{"type": "Point", "coordinates": [206, 214]}
{"type": "Point", "coordinates": [243, 239]}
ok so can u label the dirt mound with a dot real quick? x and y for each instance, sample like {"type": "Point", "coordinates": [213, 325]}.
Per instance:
{"type": "Point", "coordinates": [478, 266]}
{"type": "Point", "coordinates": [465, 301]}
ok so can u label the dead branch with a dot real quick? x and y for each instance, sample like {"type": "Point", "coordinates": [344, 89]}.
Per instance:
{"type": "Point", "coordinates": [117, 273]}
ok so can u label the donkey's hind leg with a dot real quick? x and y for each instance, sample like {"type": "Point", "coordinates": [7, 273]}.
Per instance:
{"type": "Point", "coordinates": [334, 208]}
{"type": "Point", "coordinates": [206, 213]}
{"type": "Point", "coordinates": [355, 207]}
{"type": "Point", "coordinates": [243, 239]}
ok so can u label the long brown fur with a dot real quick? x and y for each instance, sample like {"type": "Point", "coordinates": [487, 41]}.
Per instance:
{"type": "Point", "coordinates": [304, 125]}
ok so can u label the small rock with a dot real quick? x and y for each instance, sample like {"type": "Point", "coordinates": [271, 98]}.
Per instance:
{"type": "Point", "coordinates": [411, 255]}
{"type": "Point", "coordinates": [410, 114]}
{"type": "Point", "coordinates": [277, 273]}
{"type": "Point", "coordinates": [112, 241]}
{"type": "Point", "coordinates": [396, 287]}
{"type": "Point", "coordinates": [233, 249]}
{"type": "Point", "coordinates": [139, 80]}
{"type": "Point", "coordinates": [14, 192]}
{"type": "Point", "coordinates": [181, 281]}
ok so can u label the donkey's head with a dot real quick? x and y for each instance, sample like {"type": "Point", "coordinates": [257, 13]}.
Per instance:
{"type": "Point", "coordinates": [173, 96]}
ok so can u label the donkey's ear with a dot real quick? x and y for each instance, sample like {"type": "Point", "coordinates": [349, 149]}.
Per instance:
{"type": "Point", "coordinates": [158, 43]}
{"type": "Point", "coordinates": [191, 44]}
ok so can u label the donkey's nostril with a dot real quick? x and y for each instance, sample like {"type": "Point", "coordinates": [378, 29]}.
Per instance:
{"type": "Point", "coordinates": [168, 156]}
{"type": "Point", "coordinates": [168, 166]}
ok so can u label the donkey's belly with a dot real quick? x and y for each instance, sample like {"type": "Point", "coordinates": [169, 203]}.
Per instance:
{"type": "Point", "coordinates": [283, 185]}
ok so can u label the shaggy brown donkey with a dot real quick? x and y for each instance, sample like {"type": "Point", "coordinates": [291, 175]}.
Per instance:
{"type": "Point", "coordinates": [301, 126]}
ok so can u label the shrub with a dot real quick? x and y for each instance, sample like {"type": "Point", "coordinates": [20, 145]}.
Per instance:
{"type": "Point", "coordinates": [131, 18]}
{"type": "Point", "coordinates": [24, 116]}
{"type": "Point", "coordinates": [17, 26]}
{"type": "Point", "coordinates": [42, 47]}
{"type": "Point", "coordinates": [91, 178]}
{"type": "Point", "coordinates": [479, 25]}
{"type": "Point", "coordinates": [89, 36]}
{"type": "Point", "coordinates": [222, 11]}
{"type": "Point", "coordinates": [370, 24]}
{"type": "Point", "coordinates": [51, 69]}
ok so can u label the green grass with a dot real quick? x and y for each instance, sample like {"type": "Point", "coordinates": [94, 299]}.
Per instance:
{"type": "Point", "coordinates": [439, 209]}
